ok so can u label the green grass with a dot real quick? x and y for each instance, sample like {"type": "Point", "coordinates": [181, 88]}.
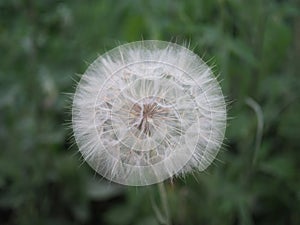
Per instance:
{"type": "Point", "coordinates": [253, 46]}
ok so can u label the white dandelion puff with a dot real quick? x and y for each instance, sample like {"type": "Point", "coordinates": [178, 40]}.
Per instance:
{"type": "Point", "coordinates": [147, 111]}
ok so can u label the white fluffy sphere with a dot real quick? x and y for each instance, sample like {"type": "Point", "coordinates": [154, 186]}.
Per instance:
{"type": "Point", "coordinates": [147, 111]}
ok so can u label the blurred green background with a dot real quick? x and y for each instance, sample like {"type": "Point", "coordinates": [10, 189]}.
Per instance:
{"type": "Point", "coordinates": [253, 45]}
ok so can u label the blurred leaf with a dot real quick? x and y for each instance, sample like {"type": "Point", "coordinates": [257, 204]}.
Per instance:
{"type": "Point", "coordinates": [148, 221]}
{"type": "Point", "coordinates": [97, 190]}
{"type": "Point", "coordinates": [282, 167]}
{"type": "Point", "coordinates": [242, 51]}
{"type": "Point", "coordinates": [289, 126]}
{"type": "Point", "coordinates": [120, 215]}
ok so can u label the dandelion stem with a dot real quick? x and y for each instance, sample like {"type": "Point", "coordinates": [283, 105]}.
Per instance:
{"type": "Point", "coordinates": [164, 201]}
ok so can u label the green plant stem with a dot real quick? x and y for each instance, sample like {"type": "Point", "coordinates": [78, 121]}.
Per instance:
{"type": "Point", "coordinates": [162, 213]}
{"type": "Point", "coordinates": [164, 201]}
{"type": "Point", "coordinates": [260, 125]}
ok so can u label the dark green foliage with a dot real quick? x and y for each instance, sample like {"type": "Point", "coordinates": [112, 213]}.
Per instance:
{"type": "Point", "coordinates": [254, 46]}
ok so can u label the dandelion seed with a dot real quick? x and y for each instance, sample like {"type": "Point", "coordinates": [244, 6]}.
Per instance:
{"type": "Point", "coordinates": [147, 111]}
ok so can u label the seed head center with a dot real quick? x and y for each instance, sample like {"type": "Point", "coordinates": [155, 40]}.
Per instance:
{"type": "Point", "coordinates": [144, 114]}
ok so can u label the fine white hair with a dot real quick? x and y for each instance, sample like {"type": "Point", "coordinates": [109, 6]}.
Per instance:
{"type": "Point", "coordinates": [147, 111]}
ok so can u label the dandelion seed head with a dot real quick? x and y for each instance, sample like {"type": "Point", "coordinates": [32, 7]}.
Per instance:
{"type": "Point", "coordinates": [147, 111]}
